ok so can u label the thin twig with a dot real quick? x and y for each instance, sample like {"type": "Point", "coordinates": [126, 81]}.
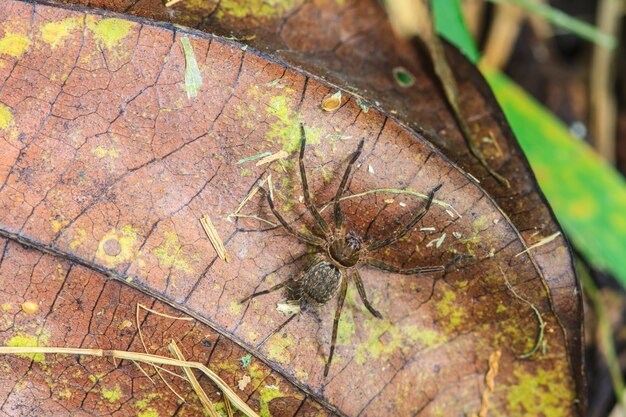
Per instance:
{"type": "Point", "coordinates": [397, 191]}
{"type": "Point", "coordinates": [540, 321]}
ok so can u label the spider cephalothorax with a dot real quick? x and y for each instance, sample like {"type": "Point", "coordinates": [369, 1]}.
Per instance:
{"type": "Point", "coordinates": [339, 253]}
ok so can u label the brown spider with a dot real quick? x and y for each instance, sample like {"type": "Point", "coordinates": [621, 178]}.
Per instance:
{"type": "Point", "coordinates": [339, 251]}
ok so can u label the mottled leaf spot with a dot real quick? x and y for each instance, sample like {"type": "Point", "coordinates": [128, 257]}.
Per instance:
{"type": "Point", "coordinates": [14, 45]}
{"type": "Point", "coordinates": [112, 247]}
{"type": "Point", "coordinates": [101, 152]}
{"type": "Point", "coordinates": [112, 395]}
{"type": "Point", "coordinates": [170, 255]}
{"type": "Point", "coordinates": [539, 394]}
{"type": "Point", "coordinates": [54, 33]}
{"type": "Point", "coordinates": [109, 32]}
{"type": "Point", "coordinates": [126, 238]}
{"type": "Point", "coordinates": [6, 116]}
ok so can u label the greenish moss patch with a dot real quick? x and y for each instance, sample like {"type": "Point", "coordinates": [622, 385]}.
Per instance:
{"type": "Point", "coordinates": [109, 32]}
{"type": "Point", "coordinates": [544, 393]}
{"type": "Point", "coordinates": [27, 340]}
{"type": "Point", "coordinates": [267, 394]}
{"type": "Point", "coordinates": [112, 395]}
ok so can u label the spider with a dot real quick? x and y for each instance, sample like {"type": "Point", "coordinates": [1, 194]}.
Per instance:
{"type": "Point", "coordinates": [339, 251]}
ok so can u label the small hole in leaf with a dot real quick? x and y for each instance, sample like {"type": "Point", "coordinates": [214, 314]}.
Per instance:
{"type": "Point", "coordinates": [403, 77]}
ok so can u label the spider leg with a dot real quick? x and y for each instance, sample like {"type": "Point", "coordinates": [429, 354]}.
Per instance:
{"type": "Point", "coordinates": [272, 289]}
{"type": "Point", "coordinates": [342, 186]}
{"type": "Point", "coordinates": [305, 237]}
{"type": "Point", "coordinates": [319, 220]}
{"type": "Point", "coordinates": [361, 288]}
{"type": "Point", "coordinates": [340, 300]}
{"type": "Point", "coordinates": [398, 233]}
{"type": "Point", "coordinates": [375, 263]}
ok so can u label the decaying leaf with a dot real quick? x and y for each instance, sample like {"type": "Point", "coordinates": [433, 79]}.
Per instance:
{"type": "Point", "coordinates": [108, 164]}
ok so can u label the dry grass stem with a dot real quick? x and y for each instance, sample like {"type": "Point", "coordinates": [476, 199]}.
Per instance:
{"type": "Point", "coordinates": [145, 348]}
{"type": "Point", "coordinates": [204, 398]}
{"type": "Point", "coordinates": [542, 242]}
{"type": "Point", "coordinates": [215, 239]}
{"type": "Point", "coordinates": [271, 158]}
{"type": "Point", "coordinates": [251, 194]}
{"type": "Point", "coordinates": [139, 357]}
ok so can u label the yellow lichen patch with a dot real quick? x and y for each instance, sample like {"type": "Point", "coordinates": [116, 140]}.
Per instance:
{"type": "Point", "coordinates": [278, 348]}
{"type": "Point", "coordinates": [235, 307]}
{"type": "Point", "coordinates": [66, 394]}
{"type": "Point", "coordinates": [6, 307]}
{"type": "Point", "coordinates": [57, 224]}
{"type": "Point", "coordinates": [544, 393]}
{"type": "Point", "coordinates": [6, 117]}
{"type": "Point", "coordinates": [385, 339]}
{"type": "Point", "coordinates": [101, 152]}
{"type": "Point", "coordinates": [151, 412]}
{"type": "Point", "coordinates": [117, 246]}
{"type": "Point", "coordinates": [263, 9]}
{"type": "Point", "coordinates": [449, 313]}
{"type": "Point", "coordinates": [54, 33]}
{"type": "Point", "coordinates": [109, 32]}
{"type": "Point", "coordinates": [143, 404]}
{"type": "Point", "coordinates": [112, 395]}
{"type": "Point", "coordinates": [14, 45]}
{"type": "Point", "coordinates": [80, 237]}
{"type": "Point", "coordinates": [169, 253]}
{"type": "Point", "coordinates": [27, 340]}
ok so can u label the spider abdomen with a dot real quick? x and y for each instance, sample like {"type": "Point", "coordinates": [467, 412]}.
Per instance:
{"type": "Point", "coordinates": [321, 282]}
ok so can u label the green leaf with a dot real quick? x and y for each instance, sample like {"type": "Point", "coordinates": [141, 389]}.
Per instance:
{"type": "Point", "coordinates": [565, 21]}
{"type": "Point", "coordinates": [587, 195]}
{"type": "Point", "coordinates": [450, 24]}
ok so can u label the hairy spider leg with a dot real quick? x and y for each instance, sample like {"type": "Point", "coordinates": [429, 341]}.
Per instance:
{"type": "Point", "coordinates": [375, 263]}
{"type": "Point", "coordinates": [333, 342]}
{"type": "Point", "coordinates": [320, 223]}
{"type": "Point", "coordinates": [398, 233]}
{"type": "Point", "coordinates": [342, 186]}
{"type": "Point", "coordinates": [361, 289]}
{"type": "Point", "coordinates": [269, 290]}
{"type": "Point", "coordinates": [305, 237]}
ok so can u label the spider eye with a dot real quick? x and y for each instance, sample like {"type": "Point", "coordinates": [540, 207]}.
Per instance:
{"type": "Point", "coordinates": [353, 240]}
